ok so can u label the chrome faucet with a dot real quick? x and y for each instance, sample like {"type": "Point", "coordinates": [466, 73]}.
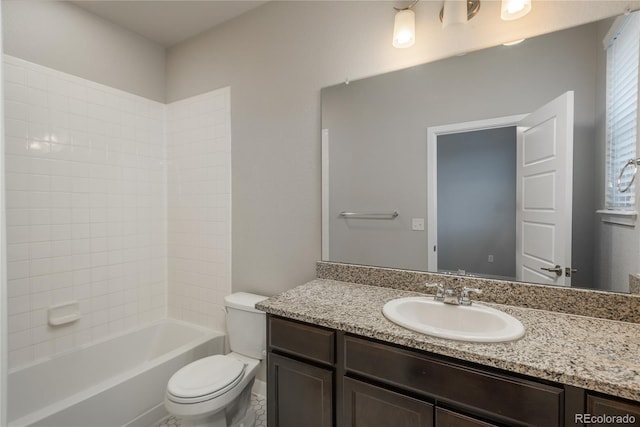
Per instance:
{"type": "Point", "coordinates": [448, 295]}
{"type": "Point", "coordinates": [439, 296]}
{"type": "Point", "coordinates": [464, 295]}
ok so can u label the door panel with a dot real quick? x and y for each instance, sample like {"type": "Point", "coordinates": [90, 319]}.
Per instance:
{"type": "Point", "coordinates": [536, 194]}
{"type": "Point", "coordinates": [539, 142]}
{"type": "Point", "coordinates": [537, 241]}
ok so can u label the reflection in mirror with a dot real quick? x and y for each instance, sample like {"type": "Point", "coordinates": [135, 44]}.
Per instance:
{"type": "Point", "coordinates": [457, 207]}
{"type": "Point", "coordinates": [477, 168]}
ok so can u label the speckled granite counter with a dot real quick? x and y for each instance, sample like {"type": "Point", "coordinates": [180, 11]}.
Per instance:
{"type": "Point", "coordinates": [596, 354]}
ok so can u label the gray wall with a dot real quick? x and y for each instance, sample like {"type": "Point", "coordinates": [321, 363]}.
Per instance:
{"type": "Point", "coordinates": [616, 247]}
{"type": "Point", "coordinates": [67, 38]}
{"type": "Point", "coordinates": [377, 137]}
{"type": "Point", "coordinates": [477, 202]}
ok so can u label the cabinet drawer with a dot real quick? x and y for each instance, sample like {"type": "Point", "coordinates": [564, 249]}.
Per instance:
{"type": "Point", "coordinates": [300, 339]}
{"type": "Point", "coordinates": [520, 403]}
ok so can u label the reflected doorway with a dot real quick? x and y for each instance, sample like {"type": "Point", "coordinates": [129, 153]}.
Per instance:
{"type": "Point", "coordinates": [476, 190]}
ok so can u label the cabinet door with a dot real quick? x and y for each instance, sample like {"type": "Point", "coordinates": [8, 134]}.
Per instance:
{"type": "Point", "coordinates": [600, 406]}
{"type": "Point", "coordinates": [446, 418]}
{"type": "Point", "coordinates": [298, 394]}
{"type": "Point", "coordinates": [366, 405]}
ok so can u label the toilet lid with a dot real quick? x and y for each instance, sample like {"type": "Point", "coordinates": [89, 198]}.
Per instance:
{"type": "Point", "coordinates": [206, 377]}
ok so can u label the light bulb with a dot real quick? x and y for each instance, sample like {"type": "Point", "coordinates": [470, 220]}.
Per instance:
{"type": "Point", "coordinates": [514, 9]}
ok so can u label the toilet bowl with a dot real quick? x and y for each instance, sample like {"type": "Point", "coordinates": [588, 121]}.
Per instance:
{"type": "Point", "coordinates": [216, 391]}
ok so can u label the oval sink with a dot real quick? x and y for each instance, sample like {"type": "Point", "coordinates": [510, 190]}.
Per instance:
{"type": "Point", "coordinates": [477, 323]}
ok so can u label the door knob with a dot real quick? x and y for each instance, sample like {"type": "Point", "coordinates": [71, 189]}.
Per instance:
{"type": "Point", "coordinates": [557, 269]}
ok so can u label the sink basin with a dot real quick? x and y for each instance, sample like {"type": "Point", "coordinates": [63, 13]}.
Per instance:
{"type": "Point", "coordinates": [477, 322]}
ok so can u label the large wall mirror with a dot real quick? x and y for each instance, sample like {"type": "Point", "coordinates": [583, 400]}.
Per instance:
{"type": "Point", "coordinates": [458, 165]}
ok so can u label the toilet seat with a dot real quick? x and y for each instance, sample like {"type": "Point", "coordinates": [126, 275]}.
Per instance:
{"type": "Point", "coordinates": [205, 379]}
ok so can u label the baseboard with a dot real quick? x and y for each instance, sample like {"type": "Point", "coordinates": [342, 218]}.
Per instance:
{"type": "Point", "coordinates": [260, 388]}
{"type": "Point", "coordinates": [149, 418]}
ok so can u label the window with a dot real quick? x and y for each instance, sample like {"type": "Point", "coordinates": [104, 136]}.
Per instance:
{"type": "Point", "coordinates": [623, 49]}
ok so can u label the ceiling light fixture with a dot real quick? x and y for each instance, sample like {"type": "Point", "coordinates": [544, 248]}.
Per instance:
{"type": "Point", "coordinates": [404, 27]}
{"type": "Point", "coordinates": [458, 11]}
{"type": "Point", "coordinates": [514, 9]}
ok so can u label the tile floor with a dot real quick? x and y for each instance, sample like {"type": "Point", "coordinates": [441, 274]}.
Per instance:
{"type": "Point", "coordinates": [258, 404]}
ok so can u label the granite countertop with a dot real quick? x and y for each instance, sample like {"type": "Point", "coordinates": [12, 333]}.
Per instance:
{"type": "Point", "coordinates": [595, 354]}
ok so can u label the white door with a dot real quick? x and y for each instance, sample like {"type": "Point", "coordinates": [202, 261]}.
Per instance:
{"type": "Point", "coordinates": [544, 193]}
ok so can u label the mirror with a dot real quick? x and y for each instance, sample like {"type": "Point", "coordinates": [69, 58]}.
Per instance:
{"type": "Point", "coordinates": [376, 162]}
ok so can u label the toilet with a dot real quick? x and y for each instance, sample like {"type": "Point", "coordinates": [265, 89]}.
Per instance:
{"type": "Point", "coordinates": [216, 391]}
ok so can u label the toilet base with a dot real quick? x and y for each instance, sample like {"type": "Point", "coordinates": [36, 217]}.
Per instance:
{"type": "Point", "coordinates": [236, 414]}
{"type": "Point", "coordinates": [216, 420]}
{"type": "Point", "coordinates": [249, 420]}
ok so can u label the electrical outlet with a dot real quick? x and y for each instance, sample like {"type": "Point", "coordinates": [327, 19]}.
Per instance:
{"type": "Point", "coordinates": [490, 258]}
{"type": "Point", "coordinates": [417, 224]}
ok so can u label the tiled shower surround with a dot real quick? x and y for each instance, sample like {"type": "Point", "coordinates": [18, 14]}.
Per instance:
{"type": "Point", "coordinates": [199, 205]}
{"type": "Point", "coordinates": [95, 215]}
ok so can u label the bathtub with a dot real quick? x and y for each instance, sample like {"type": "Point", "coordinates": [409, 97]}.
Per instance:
{"type": "Point", "coordinates": [118, 381]}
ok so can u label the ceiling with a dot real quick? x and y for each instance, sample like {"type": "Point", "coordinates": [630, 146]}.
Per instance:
{"type": "Point", "coordinates": [168, 22]}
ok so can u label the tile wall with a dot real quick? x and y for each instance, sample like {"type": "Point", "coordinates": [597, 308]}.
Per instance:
{"type": "Point", "coordinates": [86, 209]}
{"type": "Point", "coordinates": [115, 201]}
{"type": "Point", "coordinates": [199, 207]}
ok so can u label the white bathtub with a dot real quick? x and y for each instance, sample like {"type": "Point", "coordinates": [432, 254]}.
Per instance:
{"type": "Point", "coordinates": [115, 382]}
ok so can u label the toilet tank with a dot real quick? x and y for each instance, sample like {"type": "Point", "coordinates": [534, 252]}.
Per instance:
{"type": "Point", "coordinates": [246, 326]}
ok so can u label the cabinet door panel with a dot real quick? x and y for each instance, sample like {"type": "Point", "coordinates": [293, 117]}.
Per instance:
{"type": "Point", "coordinates": [366, 405]}
{"type": "Point", "coordinates": [298, 394]}
{"type": "Point", "coordinates": [598, 406]}
{"type": "Point", "coordinates": [446, 418]}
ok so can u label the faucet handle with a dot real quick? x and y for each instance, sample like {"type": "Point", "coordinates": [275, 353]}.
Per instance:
{"type": "Point", "coordinates": [439, 296]}
{"type": "Point", "coordinates": [464, 295]}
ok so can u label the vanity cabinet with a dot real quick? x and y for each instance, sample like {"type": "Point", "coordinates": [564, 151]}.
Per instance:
{"type": "Point", "coordinates": [321, 377]}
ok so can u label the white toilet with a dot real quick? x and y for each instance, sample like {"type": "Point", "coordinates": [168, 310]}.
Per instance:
{"type": "Point", "coordinates": [216, 391]}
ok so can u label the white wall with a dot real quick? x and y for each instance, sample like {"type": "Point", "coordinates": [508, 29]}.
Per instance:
{"type": "Point", "coordinates": [276, 58]}
{"type": "Point", "coordinates": [65, 37]}
{"type": "Point", "coordinates": [199, 204]}
{"type": "Point", "coordinates": [85, 208]}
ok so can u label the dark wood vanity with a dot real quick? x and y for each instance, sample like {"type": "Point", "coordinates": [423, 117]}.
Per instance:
{"type": "Point", "coordinates": [320, 377]}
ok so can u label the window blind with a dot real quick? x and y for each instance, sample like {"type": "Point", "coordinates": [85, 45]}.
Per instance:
{"type": "Point", "coordinates": [623, 51]}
